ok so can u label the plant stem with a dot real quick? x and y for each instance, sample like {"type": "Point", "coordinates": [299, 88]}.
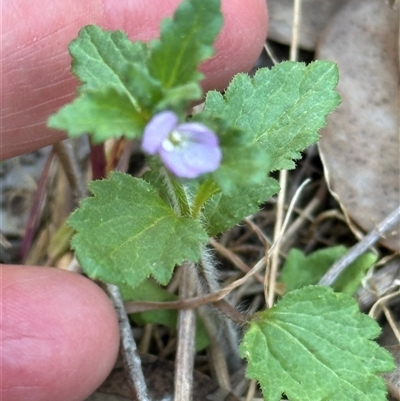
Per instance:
{"type": "Point", "coordinates": [207, 189]}
{"type": "Point", "coordinates": [176, 193]}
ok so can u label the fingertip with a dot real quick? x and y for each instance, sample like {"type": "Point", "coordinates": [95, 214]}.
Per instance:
{"type": "Point", "coordinates": [60, 335]}
{"type": "Point", "coordinates": [240, 43]}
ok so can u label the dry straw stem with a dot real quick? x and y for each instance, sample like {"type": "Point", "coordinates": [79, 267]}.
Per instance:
{"type": "Point", "coordinates": [251, 391]}
{"type": "Point", "coordinates": [222, 250]}
{"type": "Point", "coordinates": [272, 270]}
{"type": "Point", "coordinates": [380, 302]}
{"type": "Point", "coordinates": [303, 217]}
{"type": "Point", "coordinates": [283, 178]}
{"type": "Point", "coordinates": [276, 247]}
{"type": "Point", "coordinates": [391, 321]}
{"type": "Point", "coordinates": [380, 305]}
{"type": "Point", "coordinates": [134, 307]}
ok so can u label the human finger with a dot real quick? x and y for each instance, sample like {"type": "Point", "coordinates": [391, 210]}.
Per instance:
{"type": "Point", "coordinates": [60, 335]}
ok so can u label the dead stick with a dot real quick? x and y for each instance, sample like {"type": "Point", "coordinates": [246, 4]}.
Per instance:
{"type": "Point", "coordinates": [76, 178]}
{"type": "Point", "coordinates": [130, 356]}
{"type": "Point", "coordinates": [374, 236]}
{"type": "Point", "coordinates": [186, 340]}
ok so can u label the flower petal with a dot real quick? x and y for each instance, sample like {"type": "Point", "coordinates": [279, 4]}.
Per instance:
{"type": "Point", "coordinates": [202, 158]}
{"type": "Point", "coordinates": [176, 164]}
{"type": "Point", "coordinates": [157, 129]}
{"type": "Point", "coordinates": [195, 159]}
{"type": "Point", "coordinates": [198, 133]}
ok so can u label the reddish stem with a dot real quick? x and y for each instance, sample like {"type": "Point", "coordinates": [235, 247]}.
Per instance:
{"type": "Point", "coordinates": [35, 212]}
{"type": "Point", "coordinates": [98, 161]}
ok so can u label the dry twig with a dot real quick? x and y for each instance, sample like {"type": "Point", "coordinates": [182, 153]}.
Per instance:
{"type": "Point", "coordinates": [374, 236]}
{"type": "Point", "coordinates": [130, 356]}
{"type": "Point", "coordinates": [183, 388]}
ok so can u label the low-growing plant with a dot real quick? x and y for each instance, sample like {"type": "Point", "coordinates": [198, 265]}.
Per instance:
{"type": "Point", "coordinates": [205, 173]}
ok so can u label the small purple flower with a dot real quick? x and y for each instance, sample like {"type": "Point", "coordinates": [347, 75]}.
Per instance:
{"type": "Point", "coordinates": [187, 149]}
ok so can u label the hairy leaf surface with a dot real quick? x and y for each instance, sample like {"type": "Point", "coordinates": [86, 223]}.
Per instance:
{"type": "Point", "coordinates": [300, 270]}
{"type": "Point", "coordinates": [185, 41]}
{"type": "Point", "coordinates": [105, 114]}
{"type": "Point", "coordinates": [315, 345]}
{"type": "Point", "coordinates": [282, 108]}
{"type": "Point", "coordinates": [126, 233]}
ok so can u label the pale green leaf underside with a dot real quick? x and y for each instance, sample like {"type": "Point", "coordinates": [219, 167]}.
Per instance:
{"type": "Point", "coordinates": [300, 270]}
{"type": "Point", "coordinates": [283, 107]}
{"type": "Point", "coordinates": [126, 233]}
{"type": "Point", "coordinates": [105, 114]}
{"type": "Point", "coordinates": [315, 345]}
{"type": "Point", "coordinates": [185, 41]}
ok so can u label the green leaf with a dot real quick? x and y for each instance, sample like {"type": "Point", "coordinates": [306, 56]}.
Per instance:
{"type": "Point", "coordinates": [101, 57]}
{"type": "Point", "coordinates": [314, 345]}
{"type": "Point", "coordinates": [185, 41]}
{"type": "Point", "coordinates": [282, 108]}
{"type": "Point", "coordinates": [118, 95]}
{"type": "Point", "coordinates": [300, 270]}
{"type": "Point", "coordinates": [150, 291]}
{"type": "Point", "coordinates": [242, 160]}
{"type": "Point", "coordinates": [247, 164]}
{"type": "Point", "coordinates": [224, 211]}
{"type": "Point", "coordinates": [177, 98]}
{"type": "Point", "coordinates": [262, 124]}
{"type": "Point", "coordinates": [143, 87]}
{"type": "Point", "coordinates": [242, 177]}
{"type": "Point", "coordinates": [108, 59]}
{"type": "Point", "coordinates": [105, 114]}
{"type": "Point", "coordinates": [126, 233]}
{"type": "Point", "coordinates": [171, 190]}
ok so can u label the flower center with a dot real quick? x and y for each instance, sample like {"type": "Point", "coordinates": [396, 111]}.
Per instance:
{"type": "Point", "coordinates": [174, 141]}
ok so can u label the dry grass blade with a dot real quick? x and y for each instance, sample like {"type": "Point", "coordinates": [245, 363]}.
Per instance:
{"type": "Point", "coordinates": [283, 177]}
{"type": "Point", "coordinates": [195, 302]}
{"type": "Point", "coordinates": [233, 258]}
